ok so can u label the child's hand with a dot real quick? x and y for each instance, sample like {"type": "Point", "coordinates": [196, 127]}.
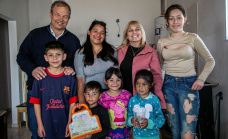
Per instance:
{"type": "Point", "coordinates": [144, 123]}
{"type": "Point", "coordinates": [41, 131]}
{"type": "Point", "coordinates": [67, 134]}
{"type": "Point", "coordinates": [78, 107]}
{"type": "Point", "coordinates": [133, 121]}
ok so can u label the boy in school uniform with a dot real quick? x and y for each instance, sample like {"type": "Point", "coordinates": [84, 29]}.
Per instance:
{"type": "Point", "coordinates": [54, 96]}
{"type": "Point", "coordinates": [92, 93]}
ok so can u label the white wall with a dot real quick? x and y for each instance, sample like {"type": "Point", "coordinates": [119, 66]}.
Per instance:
{"type": "Point", "coordinates": [185, 3]}
{"type": "Point", "coordinates": [39, 13]}
{"type": "Point", "coordinates": [211, 28]}
{"type": "Point", "coordinates": [85, 11]}
{"type": "Point", "coordinates": [212, 31]}
{"type": "Point", "coordinates": [17, 10]}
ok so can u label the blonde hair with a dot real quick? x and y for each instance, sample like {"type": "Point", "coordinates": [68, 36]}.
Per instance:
{"type": "Point", "coordinates": [125, 41]}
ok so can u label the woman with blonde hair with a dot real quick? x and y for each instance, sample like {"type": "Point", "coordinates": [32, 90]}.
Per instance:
{"type": "Point", "coordinates": [135, 54]}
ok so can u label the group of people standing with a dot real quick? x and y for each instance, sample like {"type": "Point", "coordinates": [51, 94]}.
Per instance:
{"type": "Point", "coordinates": [177, 96]}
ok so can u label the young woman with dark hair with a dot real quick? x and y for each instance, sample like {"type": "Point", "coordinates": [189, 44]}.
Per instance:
{"type": "Point", "coordinates": [181, 84]}
{"type": "Point", "coordinates": [94, 58]}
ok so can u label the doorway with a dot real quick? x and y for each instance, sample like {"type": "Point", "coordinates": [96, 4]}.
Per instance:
{"type": "Point", "coordinates": [9, 71]}
{"type": "Point", "coordinates": [5, 93]}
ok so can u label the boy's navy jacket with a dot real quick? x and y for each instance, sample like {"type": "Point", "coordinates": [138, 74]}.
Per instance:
{"type": "Point", "coordinates": [31, 52]}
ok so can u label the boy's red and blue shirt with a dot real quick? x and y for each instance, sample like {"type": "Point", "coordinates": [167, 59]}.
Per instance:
{"type": "Point", "coordinates": [54, 93]}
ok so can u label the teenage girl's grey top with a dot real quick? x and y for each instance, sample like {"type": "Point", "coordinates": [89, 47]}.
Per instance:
{"type": "Point", "coordinates": [95, 72]}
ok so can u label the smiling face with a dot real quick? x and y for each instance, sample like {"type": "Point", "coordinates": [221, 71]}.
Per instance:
{"type": "Point", "coordinates": [114, 83]}
{"type": "Point", "coordinates": [59, 18]}
{"type": "Point", "coordinates": [142, 87]}
{"type": "Point", "coordinates": [134, 34]}
{"type": "Point", "coordinates": [55, 57]}
{"type": "Point", "coordinates": [97, 34]}
{"type": "Point", "coordinates": [92, 97]}
{"type": "Point", "coordinates": [176, 21]}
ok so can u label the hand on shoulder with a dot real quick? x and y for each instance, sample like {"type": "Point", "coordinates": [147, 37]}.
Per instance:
{"type": "Point", "coordinates": [39, 73]}
{"type": "Point", "coordinates": [69, 71]}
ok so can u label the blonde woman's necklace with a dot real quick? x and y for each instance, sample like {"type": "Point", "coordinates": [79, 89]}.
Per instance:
{"type": "Point", "coordinates": [137, 50]}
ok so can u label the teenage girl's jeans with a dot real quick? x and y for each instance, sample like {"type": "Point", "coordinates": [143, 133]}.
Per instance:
{"type": "Point", "coordinates": [182, 104]}
{"type": "Point", "coordinates": [32, 123]}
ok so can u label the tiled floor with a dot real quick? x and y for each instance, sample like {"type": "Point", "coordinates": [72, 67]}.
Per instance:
{"type": "Point", "coordinates": [13, 134]}
{"type": "Point", "coordinates": [13, 131]}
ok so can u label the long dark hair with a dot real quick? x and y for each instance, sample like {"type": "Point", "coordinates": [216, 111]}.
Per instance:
{"type": "Point", "coordinates": [105, 54]}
